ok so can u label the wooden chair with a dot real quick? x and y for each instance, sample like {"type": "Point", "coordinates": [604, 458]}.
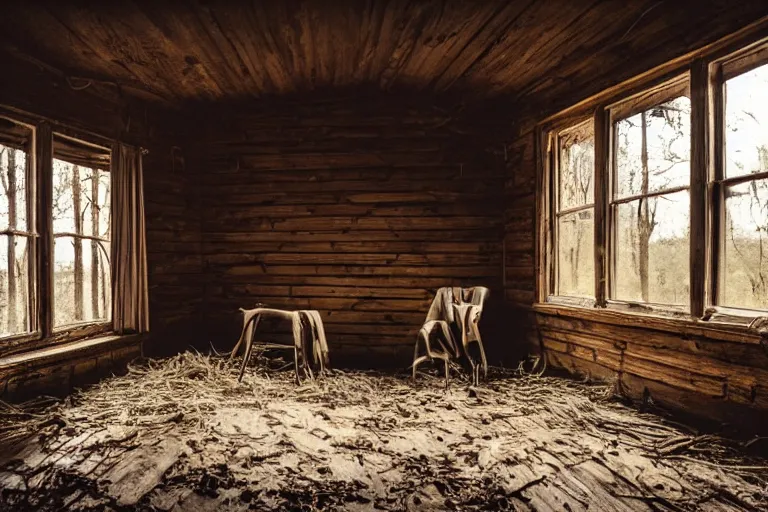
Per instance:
{"type": "Point", "coordinates": [457, 313]}
{"type": "Point", "coordinates": [307, 326]}
{"type": "Point", "coordinates": [446, 348]}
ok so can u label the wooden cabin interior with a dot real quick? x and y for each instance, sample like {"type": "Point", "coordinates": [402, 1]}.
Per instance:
{"type": "Point", "coordinates": [574, 191]}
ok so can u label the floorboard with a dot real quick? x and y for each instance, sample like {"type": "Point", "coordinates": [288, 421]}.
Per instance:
{"type": "Point", "coordinates": [182, 434]}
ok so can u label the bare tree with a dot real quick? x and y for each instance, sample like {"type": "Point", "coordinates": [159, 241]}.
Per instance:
{"type": "Point", "coordinates": [105, 299]}
{"type": "Point", "coordinates": [577, 156]}
{"type": "Point", "coordinates": [646, 218]}
{"type": "Point", "coordinates": [643, 221]}
{"type": "Point", "coordinates": [78, 273]}
{"type": "Point", "coordinates": [94, 200]}
{"type": "Point", "coordinates": [757, 194]}
{"type": "Point", "coordinates": [9, 188]}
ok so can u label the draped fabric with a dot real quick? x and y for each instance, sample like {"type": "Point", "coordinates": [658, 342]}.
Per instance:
{"type": "Point", "coordinates": [458, 306]}
{"type": "Point", "coordinates": [130, 290]}
{"type": "Point", "coordinates": [446, 298]}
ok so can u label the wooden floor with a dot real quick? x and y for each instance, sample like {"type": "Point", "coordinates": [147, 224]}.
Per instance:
{"type": "Point", "coordinates": [182, 434]}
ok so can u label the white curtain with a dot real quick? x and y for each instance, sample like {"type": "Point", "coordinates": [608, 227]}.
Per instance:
{"type": "Point", "coordinates": [130, 290]}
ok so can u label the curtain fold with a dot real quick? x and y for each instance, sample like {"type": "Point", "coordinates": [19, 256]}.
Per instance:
{"type": "Point", "coordinates": [130, 290]}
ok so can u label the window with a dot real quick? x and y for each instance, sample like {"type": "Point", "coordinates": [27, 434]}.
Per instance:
{"type": "Point", "coordinates": [43, 295]}
{"type": "Point", "coordinates": [81, 231]}
{"type": "Point", "coordinates": [743, 273]}
{"type": "Point", "coordinates": [650, 203]}
{"type": "Point", "coordinates": [575, 211]}
{"type": "Point", "coordinates": [17, 233]}
{"type": "Point", "coordinates": [80, 211]}
{"type": "Point", "coordinates": [656, 199]}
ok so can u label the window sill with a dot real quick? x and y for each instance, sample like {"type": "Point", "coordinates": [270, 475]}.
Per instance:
{"type": "Point", "coordinates": [66, 351]}
{"type": "Point", "coordinates": [688, 326]}
{"type": "Point", "coordinates": [63, 335]}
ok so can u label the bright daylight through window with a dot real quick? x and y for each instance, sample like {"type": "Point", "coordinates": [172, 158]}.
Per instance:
{"type": "Point", "coordinates": [81, 227]}
{"type": "Point", "coordinates": [744, 274]}
{"type": "Point", "coordinates": [575, 216]}
{"type": "Point", "coordinates": [16, 239]}
{"type": "Point", "coordinates": [620, 188]}
{"type": "Point", "coordinates": [651, 204]}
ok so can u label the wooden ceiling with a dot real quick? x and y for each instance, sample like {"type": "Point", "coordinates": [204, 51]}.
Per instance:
{"type": "Point", "coordinates": [197, 50]}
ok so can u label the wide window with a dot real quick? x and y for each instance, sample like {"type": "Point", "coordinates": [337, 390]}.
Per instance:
{"type": "Point", "coordinates": [658, 200]}
{"type": "Point", "coordinates": [55, 236]}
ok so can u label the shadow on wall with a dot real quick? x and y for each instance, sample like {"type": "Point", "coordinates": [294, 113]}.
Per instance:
{"type": "Point", "coordinates": [504, 329]}
{"type": "Point", "coordinates": [177, 336]}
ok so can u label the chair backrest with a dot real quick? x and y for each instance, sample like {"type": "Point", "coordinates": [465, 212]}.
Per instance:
{"type": "Point", "coordinates": [476, 295]}
{"type": "Point", "coordinates": [442, 305]}
{"type": "Point", "coordinates": [447, 297]}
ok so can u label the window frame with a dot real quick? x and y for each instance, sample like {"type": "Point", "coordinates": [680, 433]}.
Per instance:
{"type": "Point", "coordinates": [615, 113]}
{"type": "Point", "coordinates": [105, 324]}
{"type": "Point", "coordinates": [557, 212]}
{"type": "Point", "coordinates": [721, 70]}
{"type": "Point", "coordinates": [40, 175]}
{"type": "Point", "coordinates": [706, 70]}
{"type": "Point", "coordinates": [32, 235]}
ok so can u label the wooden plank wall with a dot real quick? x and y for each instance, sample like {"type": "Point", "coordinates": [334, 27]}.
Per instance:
{"type": "Point", "coordinates": [173, 246]}
{"type": "Point", "coordinates": [360, 208]}
{"type": "Point", "coordinates": [519, 237]}
{"type": "Point", "coordinates": [713, 375]}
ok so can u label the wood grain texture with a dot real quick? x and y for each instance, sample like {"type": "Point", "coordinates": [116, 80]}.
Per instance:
{"type": "Point", "coordinates": [359, 208]}
{"type": "Point", "coordinates": [172, 218]}
{"type": "Point", "coordinates": [696, 367]}
{"type": "Point", "coordinates": [527, 51]}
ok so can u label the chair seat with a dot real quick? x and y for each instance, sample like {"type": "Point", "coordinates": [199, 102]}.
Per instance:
{"type": "Point", "coordinates": [458, 309]}
{"type": "Point", "coordinates": [304, 323]}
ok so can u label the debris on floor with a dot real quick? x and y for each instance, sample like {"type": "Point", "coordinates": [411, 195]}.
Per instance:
{"type": "Point", "coordinates": [183, 434]}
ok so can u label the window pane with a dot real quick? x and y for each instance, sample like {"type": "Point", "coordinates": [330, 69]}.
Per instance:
{"type": "Point", "coordinates": [746, 123]}
{"type": "Point", "coordinates": [14, 285]}
{"type": "Point", "coordinates": [13, 188]}
{"type": "Point", "coordinates": [64, 306]}
{"type": "Point", "coordinates": [63, 197]}
{"type": "Point", "coordinates": [82, 285]}
{"type": "Point", "coordinates": [104, 202]}
{"type": "Point", "coordinates": [651, 250]}
{"type": "Point", "coordinates": [97, 293]}
{"type": "Point", "coordinates": [576, 257]}
{"type": "Point", "coordinates": [665, 133]}
{"type": "Point", "coordinates": [744, 278]}
{"type": "Point", "coordinates": [577, 166]}
{"type": "Point", "coordinates": [82, 275]}
{"type": "Point", "coordinates": [86, 183]}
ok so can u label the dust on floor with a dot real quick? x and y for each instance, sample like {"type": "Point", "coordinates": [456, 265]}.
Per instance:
{"type": "Point", "coordinates": [183, 434]}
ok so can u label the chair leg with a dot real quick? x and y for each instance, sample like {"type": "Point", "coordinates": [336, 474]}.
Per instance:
{"type": "Point", "coordinates": [306, 332]}
{"type": "Point", "coordinates": [246, 357]}
{"type": "Point", "coordinates": [249, 342]}
{"type": "Point", "coordinates": [243, 336]}
{"type": "Point", "coordinates": [446, 373]}
{"type": "Point", "coordinates": [308, 367]}
{"type": "Point", "coordinates": [472, 370]}
{"type": "Point", "coordinates": [448, 336]}
{"type": "Point", "coordinates": [417, 362]}
{"type": "Point", "coordinates": [484, 361]}
{"type": "Point", "coordinates": [416, 358]}
{"type": "Point", "coordinates": [237, 346]}
{"type": "Point", "coordinates": [296, 366]}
